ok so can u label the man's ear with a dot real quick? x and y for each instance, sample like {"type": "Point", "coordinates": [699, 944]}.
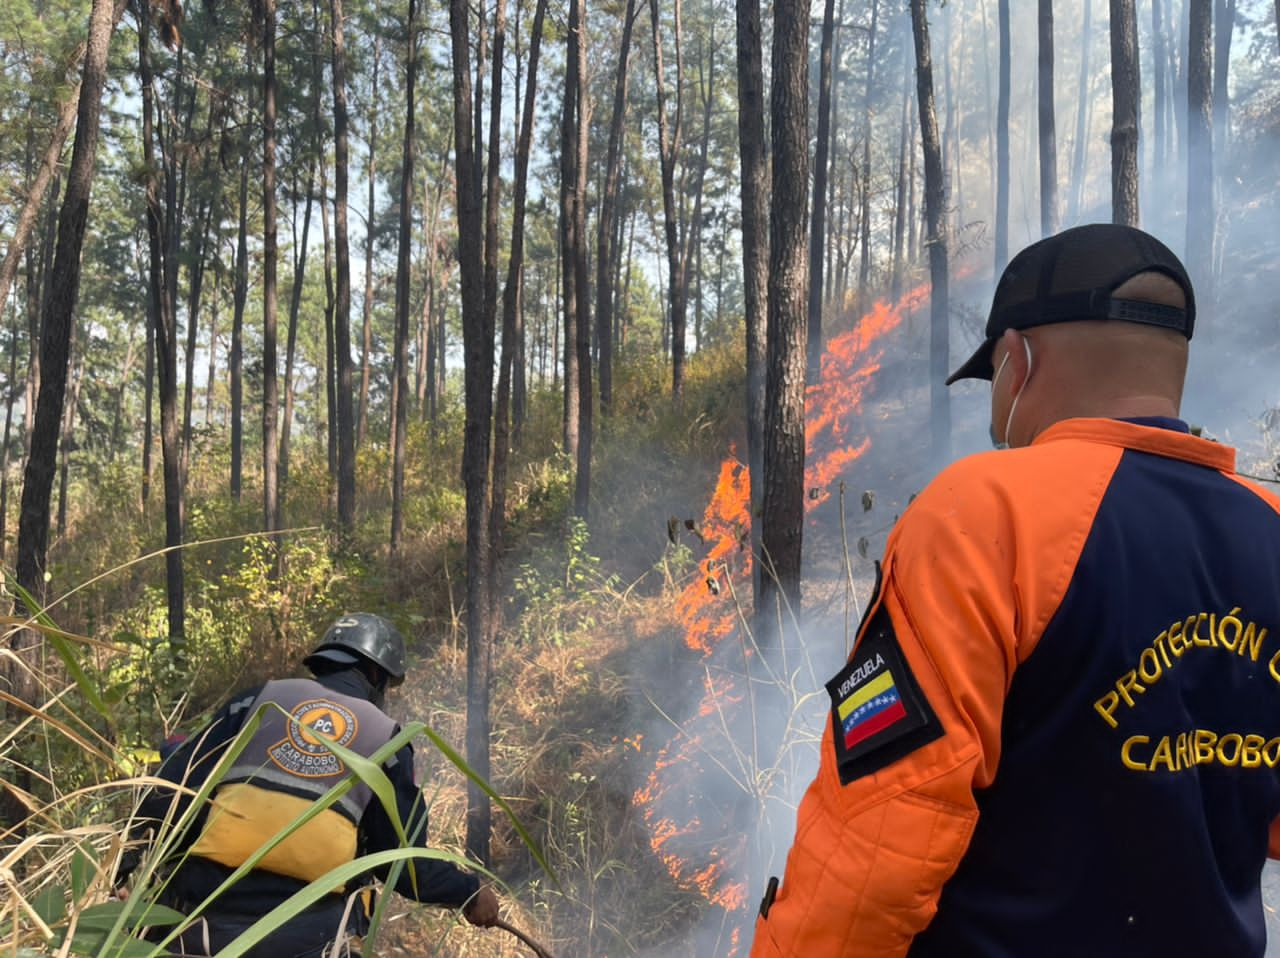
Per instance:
{"type": "Point", "coordinates": [1015, 344]}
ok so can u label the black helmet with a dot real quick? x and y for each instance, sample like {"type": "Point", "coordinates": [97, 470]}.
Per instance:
{"type": "Point", "coordinates": [363, 635]}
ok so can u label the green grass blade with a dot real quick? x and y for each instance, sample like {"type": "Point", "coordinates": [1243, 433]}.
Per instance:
{"type": "Point", "coordinates": [461, 764]}
{"type": "Point", "coordinates": [308, 896]}
{"type": "Point", "coordinates": [62, 647]}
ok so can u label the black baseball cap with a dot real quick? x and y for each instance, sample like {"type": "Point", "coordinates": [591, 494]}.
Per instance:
{"type": "Point", "coordinates": [1071, 276]}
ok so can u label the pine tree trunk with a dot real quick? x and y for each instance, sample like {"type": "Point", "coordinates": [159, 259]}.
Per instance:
{"type": "Point", "coordinates": [905, 143]}
{"type": "Point", "coordinates": [1159, 147]}
{"type": "Point", "coordinates": [39, 266]}
{"type": "Point", "coordinates": [400, 433]}
{"type": "Point", "coordinates": [753, 158]}
{"type": "Point", "coordinates": [1078, 167]}
{"type": "Point", "coordinates": [10, 392]}
{"type": "Point", "coordinates": [68, 428]}
{"type": "Point", "coordinates": [864, 219]}
{"type": "Point", "coordinates": [478, 350]}
{"type": "Point", "coordinates": [1224, 28]}
{"type": "Point", "coordinates": [668, 150]}
{"type": "Point", "coordinates": [502, 420]}
{"type": "Point", "coordinates": [366, 306]}
{"type": "Point", "coordinates": [59, 307]}
{"type": "Point", "coordinates": [1048, 135]}
{"type": "Point", "coordinates": [270, 266]}
{"type": "Point", "coordinates": [818, 221]}
{"type": "Point", "coordinates": [330, 348]}
{"type": "Point", "coordinates": [1125, 79]}
{"type": "Point", "coordinates": [1200, 203]}
{"type": "Point", "coordinates": [1002, 135]}
{"type": "Point", "coordinates": [236, 358]}
{"type": "Point", "coordinates": [582, 328]}
{"type": "Point", "coordinates": [608, 216]}
{"type": "Point", "coordinates": [148, 408]}
{"type": "Point", "coordinates": [291, 345]}
{"type": "Point", "coordinates": [935, 203]}
{"type": "Point", "coordinates": [161, 224]}
{"type": "Point", "coordinates": [342, 301]}
{"type": "Point", "coordinates": [693, 239]}
{"type": "Point", "coordinates": [568, 223]}
{"type": "Point", "coordinates": [784, 455]}
{"type": "Point", "coordinates": [213, 341]}
{"type": "Point", "coordinates": [195, 276]}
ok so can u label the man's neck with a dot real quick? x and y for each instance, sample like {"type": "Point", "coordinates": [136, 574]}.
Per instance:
{"type": "Point", "coordinates": [1120, 407]}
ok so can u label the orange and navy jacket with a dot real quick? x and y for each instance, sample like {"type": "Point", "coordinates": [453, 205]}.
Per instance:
{"type": "Point", "coordinates": [1059, 730]}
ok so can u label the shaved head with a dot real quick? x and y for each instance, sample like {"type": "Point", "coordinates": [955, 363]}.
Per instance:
{"type": "Point", "coordinates": [1097, 368]}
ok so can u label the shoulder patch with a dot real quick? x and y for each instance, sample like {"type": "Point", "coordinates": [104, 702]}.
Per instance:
{"type": "Point", "coordinates": [878, 713]}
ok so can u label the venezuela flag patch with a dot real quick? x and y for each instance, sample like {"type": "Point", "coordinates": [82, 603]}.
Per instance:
{"type": "Point", "coordinates": [878, 713]}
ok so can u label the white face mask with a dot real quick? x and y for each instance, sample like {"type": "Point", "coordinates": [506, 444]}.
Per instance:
{"type": "Point", "coordinates": [1008, 423]}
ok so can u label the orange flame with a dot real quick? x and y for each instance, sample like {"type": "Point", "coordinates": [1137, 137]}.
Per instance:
{"type": "Point", "coordinates": [726, 526]}
{"type": "Point", "coordinates": [708, 605]}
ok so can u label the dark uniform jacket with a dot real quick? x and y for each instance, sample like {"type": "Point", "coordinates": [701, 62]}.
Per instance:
{"type": "Point", "coordinates": [1059, 730]}
{"type": "Point", "coordinates": [272, 794]}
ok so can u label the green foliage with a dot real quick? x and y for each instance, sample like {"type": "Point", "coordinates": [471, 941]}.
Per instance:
{"type": "Point", "coordinates": [562, 587]}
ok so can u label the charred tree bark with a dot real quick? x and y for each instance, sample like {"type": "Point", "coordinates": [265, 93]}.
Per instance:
{"type": "Point", "coordinates": [1048, 134]}
{"type": "Point", "coordinates": [1200, 201]}
{"type": "Point", "coordinates": [342, 301]}
{"type": "Point", "coordinates": [1125, 79]}
{"type": "Point", "coordinates": [818, 221]}
{"type": "Point", "coordinates": [934, 203]}
{"type": "Point", "coordinates": [1002, 132]}
{"type": "Point", "coordinates": [478, 349]}
{"type": "Point", "coordinates": [753, 156]}
{"type": "Point", "coordinates": [784, 455]}
{"type": "Point", "coordinates": [606, 220]}
{"type": "Point", "coordinates": [37, 486]}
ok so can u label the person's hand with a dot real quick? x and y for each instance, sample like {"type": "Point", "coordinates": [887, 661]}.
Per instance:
{"type": "Point", "coordinates": [482, 909]}
{"type": "Point", "coordinates": [122, 893]}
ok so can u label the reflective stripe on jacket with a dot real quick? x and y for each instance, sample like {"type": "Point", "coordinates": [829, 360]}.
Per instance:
{"type": "Point", "coordinates": [1087, 693]}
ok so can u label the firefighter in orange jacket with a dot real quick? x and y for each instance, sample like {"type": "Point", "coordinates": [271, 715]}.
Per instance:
{"type": "Point", "coordinates": [1059, 731]}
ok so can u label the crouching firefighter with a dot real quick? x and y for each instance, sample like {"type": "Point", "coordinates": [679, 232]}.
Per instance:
{"type": "Point", "coordinates": [282, 770]}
